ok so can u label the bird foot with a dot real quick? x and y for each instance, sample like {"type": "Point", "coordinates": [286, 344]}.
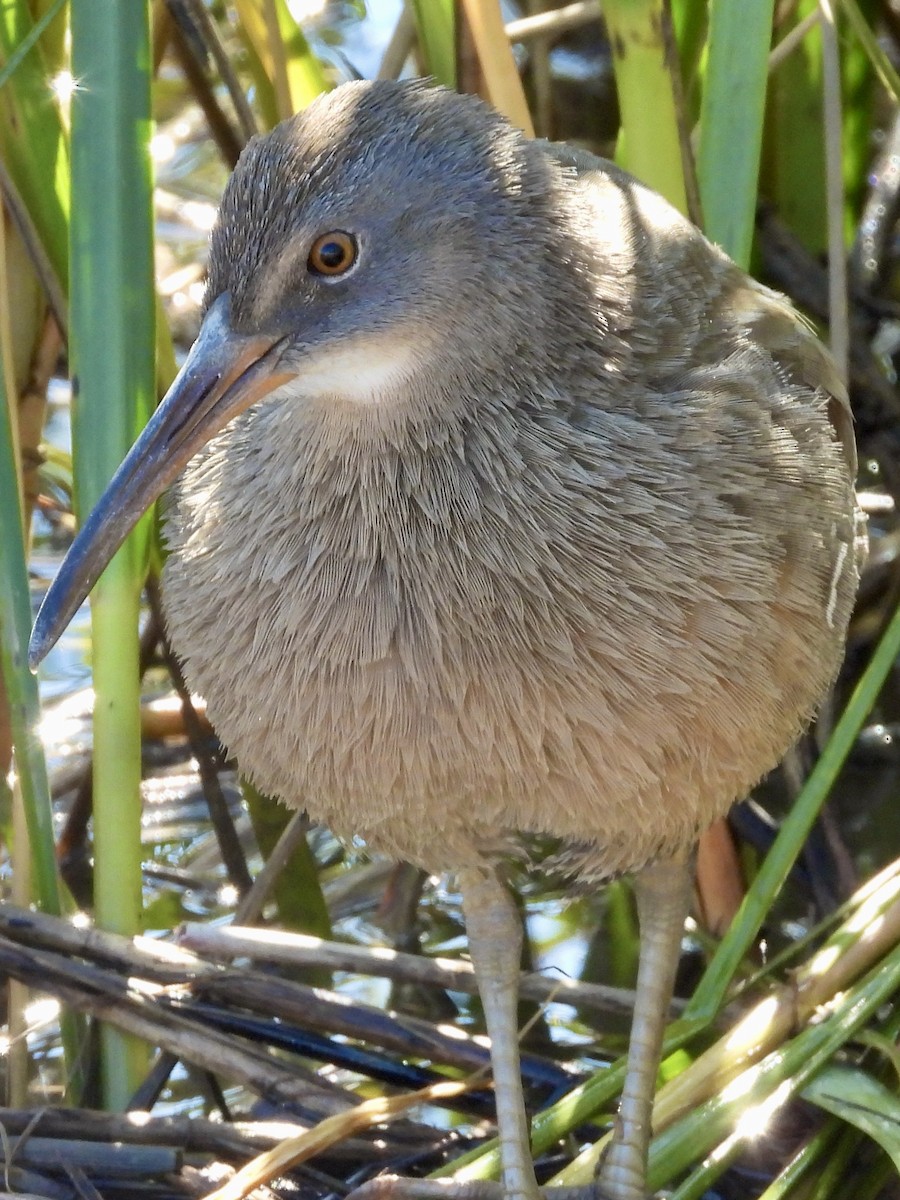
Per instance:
{"type": "Point", "coordinates": [400, 1187]}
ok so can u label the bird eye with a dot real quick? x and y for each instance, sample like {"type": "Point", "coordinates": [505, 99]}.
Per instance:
{"type": "Point", "coordinates": [333, 253]}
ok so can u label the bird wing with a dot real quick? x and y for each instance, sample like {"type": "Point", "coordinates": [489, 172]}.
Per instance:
{"type": "Point", "coordinates": [767, 316]}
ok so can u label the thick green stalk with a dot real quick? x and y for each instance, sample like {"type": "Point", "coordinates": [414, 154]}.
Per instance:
{"type": "Point", "coordinates": [112, 353]}
{"type": "Point", "coordinates": [731, 122]}
{"type": "Point", "coordinates": [21, 685]}
{"type": "Point", "coordinates": [647, 96]}
{"type": "Point", "coordinates": [436, 27]}
{"type": "Point", "coordinates": [794, 156]}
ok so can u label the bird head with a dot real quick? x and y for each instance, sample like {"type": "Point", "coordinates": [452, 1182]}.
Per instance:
{"type": "Point", "coordinates": [376, 227]}
{"type": "Point", "coordinates": [392, 240]}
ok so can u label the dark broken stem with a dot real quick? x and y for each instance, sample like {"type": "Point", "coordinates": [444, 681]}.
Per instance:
{"type": "Point", "coordinates": [225, 136]}
{"type": "Point", "coordinates": [21, 217]}
{"type": "Point", "coordinates": [107, 997]}
{"type": "Point", "coordinates": [226, 835]}
{"type": "Point", "coordinates": [195, 1135]}
{"type": "Point", "coordinates": [251, 906]}
{"type": "Point", "coordinates": [100, 1158]}
{"type": "Point", "coordinates": [223, 943]}
{"type": "Point", "coordinates": [311, 1009]}
{"type": "Point", "coordinates": [150, 1090]}
{"type": "Point", "coordinates": [207, 31]}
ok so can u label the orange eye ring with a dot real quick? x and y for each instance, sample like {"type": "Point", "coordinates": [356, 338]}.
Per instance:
{"type": "Point", "coordinates": [332, 253]}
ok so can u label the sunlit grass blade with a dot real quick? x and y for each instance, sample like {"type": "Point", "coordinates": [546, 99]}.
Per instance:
{"type": "Point", "coordinates": [856, 1097]}
{"type": "Point", "coordinates": [112, 360]}
{"type": "Point", "coordinates": [31, 39]}
{"type": "Point", "coordinates": [292, 68]}
{"type": "Point", "coordinates": [32, 139]}
{"type": "Point", "coordinates": [749, 1052]}
{"type": "Point", "coordinates": [766, 1086]}
{"type": "Point", "coordinates": [879, 59]}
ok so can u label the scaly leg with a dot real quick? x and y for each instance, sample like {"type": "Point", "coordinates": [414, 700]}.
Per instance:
{"type": "Point", "coordinates": [663, 892]}
{"type": "Point", "coordinates": [495, 944]}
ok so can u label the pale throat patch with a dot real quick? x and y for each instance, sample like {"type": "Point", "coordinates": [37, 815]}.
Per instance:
{"type": "Point", "coordinates": [365, 371]}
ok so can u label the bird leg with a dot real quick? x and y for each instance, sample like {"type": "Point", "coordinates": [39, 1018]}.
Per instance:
{"type": "Point", "coordinates": [663, 892]}
{"type": "Point", "coordinates": [495, 945]}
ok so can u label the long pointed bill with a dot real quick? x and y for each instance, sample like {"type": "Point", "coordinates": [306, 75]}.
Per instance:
{"type": "Point", "coordinates": [224, 373]}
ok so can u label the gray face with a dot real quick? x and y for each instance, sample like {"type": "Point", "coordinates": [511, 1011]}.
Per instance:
{"type": "Point", "coordinates": [456, 252]}
{"type": "Point", "coordinates": [445, 203]}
